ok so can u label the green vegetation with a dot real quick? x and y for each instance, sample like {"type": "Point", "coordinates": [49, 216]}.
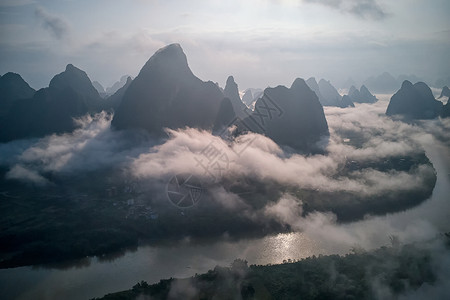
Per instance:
{"type": "Point", "coordinates": [54, 225]}
{"type": "Point", "coordinates": [102, 214]}
{"type": "Point", "coordinates": [383, 273]}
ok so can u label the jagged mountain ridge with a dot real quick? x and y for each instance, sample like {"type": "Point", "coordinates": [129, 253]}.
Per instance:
{"type": "Point", "coordinates": [231, 92]}
{"type": "Point", "coordinates": [291, 117]}
{"type": "Point", "coordinates": [13, 87]}
{"type": "Point", "coordinates": [363, 95]}
{"type": "Point", "coordinates": [69, 95]}
{"type": "Point", "coordinates": [166, 94]}
{"type": "Point", "coordinates": [113, 101]}
{"type": "Point", "coordinates": [328, 94]}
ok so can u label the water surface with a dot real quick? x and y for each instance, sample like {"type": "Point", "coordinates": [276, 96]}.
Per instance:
{"type": "Point", "coordinates": [94, 278]}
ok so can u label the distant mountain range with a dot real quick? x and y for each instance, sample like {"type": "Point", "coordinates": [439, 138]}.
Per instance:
{"type": "Point", "coordinates": [385, 83]}
{"type": "Point", "coordinates": [363, 95]}
{"type": "Point", "coordinates": [50, 110]}
{"type": "Point", "coordinates": [113, 101]}
{"type": "Point", "coordinates": [328, 94]}
{"type": "Point", "coordinates": [166, 94]}
{"type": "Point", "coordinates": [100, 89]}
{"type": "Point", "coordinates": [107, 92]}
{"type": "Point", "coordinates": [117, 85]}
{"type": "Point", "coordinates": [250, 96]}
{"type": "Point", "coordinates": [26, 113]}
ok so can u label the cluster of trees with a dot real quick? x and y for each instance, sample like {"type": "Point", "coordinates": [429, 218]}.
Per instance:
{"type": "Point", "coordinates": [386, 272]}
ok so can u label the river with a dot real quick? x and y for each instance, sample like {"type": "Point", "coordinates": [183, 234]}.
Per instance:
{"type": "Point", "coordinates": [94, 277]}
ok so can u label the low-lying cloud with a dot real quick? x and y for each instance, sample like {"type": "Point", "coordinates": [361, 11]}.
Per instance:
{"type": "Point", "coordinates": [361, 135]}
{"type": "Point", "coordinates": [22, 173]}
{"type": "Point", "coordinates": [259, 157]}
{"type": "Point", "coordinates": [95, 146]}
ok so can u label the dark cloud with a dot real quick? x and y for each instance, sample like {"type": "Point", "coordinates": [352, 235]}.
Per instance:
{"type": "Point", "coordinates": [55, 25]}
{"type": "Point", "coordinates": [366, 9]}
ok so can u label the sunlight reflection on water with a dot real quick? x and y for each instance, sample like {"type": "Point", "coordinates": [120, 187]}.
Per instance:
{"type": "Point", "coordinates": [275, 249]}
{"type": "Point", "coordinates": [151, 263]}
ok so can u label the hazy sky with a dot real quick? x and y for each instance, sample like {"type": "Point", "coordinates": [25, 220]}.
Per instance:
{"type": "Point", "coordinates": [261, 42]}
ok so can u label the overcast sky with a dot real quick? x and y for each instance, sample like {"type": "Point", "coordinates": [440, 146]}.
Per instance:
{"type": "Point", "coordinates": [261, 42]}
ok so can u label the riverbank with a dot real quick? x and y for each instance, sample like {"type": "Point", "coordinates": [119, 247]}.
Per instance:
{"type": "Point", "coordinates": [59, 224]}
{"type": "Point", "coordinates": [93, 277]}
{"type": "Point", "coordinates": [387, 272]}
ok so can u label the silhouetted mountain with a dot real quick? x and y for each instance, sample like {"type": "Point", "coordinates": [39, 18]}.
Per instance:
{"type": "Point", "coordinates": [327, 93]}
{"type": "Point", "coordinates": [113, 101]}
{"type": "Point", "coordinates": [231, 91]}
{"type": "Point", "coordinates": [446, 108]}
{"type": "Point", "coordinates": [13, 87]}
{"type": "Point", "coordinates": [290, 116]}
{"type": "Point", "coordinates": [347, 102]}
{"type": "Point", "coordinates": [225, 116]}
{"type": "Point", "coordinates": [167, 94]}
{"type": "Point", "coordinates": [445, 113]}
{"type": "Point", "coordinates": [384, 83]}
{"type": "Point", "coordinates": [51, 110]}
{"type": "Point", "coordinates": [78, 80]}
{"type": "Point", "coordinates": [366, 95]}
{"type": "Point", "coordinates": [414, 102]}
{"type": "Point", "coordinates": [250, 96]}
{"type": "Point", "coordinates": [97, 85]}
{"type": "Point", "coordinates": [48, 112]}
{"type": "Point", "coordinates": [354, 94]}
{"type": "Point", "coordinates": [99, 88]}
{"type": "Point", "coordinates": [362, 96]}
{"type": "Point", "coordinates": [247, 98]}
{"type": "Point", "coordinates": [330, 95]}
{"type": "Point", "coordinates": [117, 85]}
{"type": "Point", "coordinates": [312, 84]}
{"type": "Point", "coordinates": [445, 92]}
